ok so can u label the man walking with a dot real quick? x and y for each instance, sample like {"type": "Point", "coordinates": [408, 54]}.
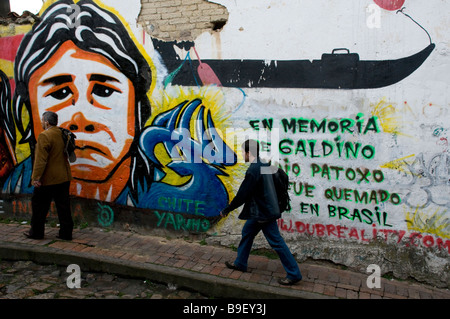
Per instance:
{"type": "Point", "coordinates": [257, 193]}
{"type": "Point", "coordinates": [51, 180]}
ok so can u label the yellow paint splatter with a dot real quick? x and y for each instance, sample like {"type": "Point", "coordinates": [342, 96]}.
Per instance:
{"type": "Point", "coordinates": [398, 164]}
{"type": "Point", "coordinates": [390, 117]}
{"type": "Point", "coordinates": [436, 223]}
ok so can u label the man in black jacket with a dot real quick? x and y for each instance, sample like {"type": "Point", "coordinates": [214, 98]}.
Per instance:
{"type": "Point", "coordinates": [257, 193]}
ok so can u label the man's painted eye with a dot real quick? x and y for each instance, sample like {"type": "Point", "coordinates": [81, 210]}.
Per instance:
{"type": "Point", "coordinates": [62, 93]}
{"type": "Point", "coordinates": [102, 90]}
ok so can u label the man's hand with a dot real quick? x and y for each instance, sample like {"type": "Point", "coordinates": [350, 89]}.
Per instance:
{"type": "Point", "coordinates": [36, 183]}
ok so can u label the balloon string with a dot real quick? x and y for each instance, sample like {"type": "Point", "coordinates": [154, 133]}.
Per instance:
{"type": "Point", "coordinates": [401, 11]}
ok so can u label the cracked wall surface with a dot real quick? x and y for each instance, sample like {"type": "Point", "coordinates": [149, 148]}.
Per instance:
{"type": "Point", "coordinates": [181, 20]}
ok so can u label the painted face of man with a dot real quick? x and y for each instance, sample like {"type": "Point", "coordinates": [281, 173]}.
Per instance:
{"type": "Point", "coordinates": [94, 100]}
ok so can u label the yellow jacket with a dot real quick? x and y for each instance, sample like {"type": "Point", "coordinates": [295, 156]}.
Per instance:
{"type": "Point", "coordinates": [51, 165]}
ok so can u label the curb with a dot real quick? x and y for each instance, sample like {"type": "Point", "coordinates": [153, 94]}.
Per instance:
{"type": "Point", "coordinates": [206, 284]}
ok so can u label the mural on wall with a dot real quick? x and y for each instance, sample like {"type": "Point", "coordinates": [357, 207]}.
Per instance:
{"type": "Point", "coordinates": [171, 156]}
{"type": "Point", "coordinates": [344, 189]}
{"type": "Point", "coordinates": [89, 69]}
{"type": "Point", "coordinates": [404, 200]}
{"type": "Point", "coordinates": [339, 69]}
{"type": "Point", "coordinates": [364, 141]}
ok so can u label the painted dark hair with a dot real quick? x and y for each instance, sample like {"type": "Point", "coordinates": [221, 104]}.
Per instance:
{"type": "Point", "coordinates": [94, 30]}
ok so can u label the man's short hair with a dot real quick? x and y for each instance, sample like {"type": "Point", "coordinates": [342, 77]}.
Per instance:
{"type": "Point", "coordinates": [251, 146]}
{"type": "Point", "coordinates": [51, 118]}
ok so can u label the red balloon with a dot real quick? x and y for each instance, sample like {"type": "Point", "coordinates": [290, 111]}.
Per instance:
{"type": "Point", "coordinates": [390, 5]}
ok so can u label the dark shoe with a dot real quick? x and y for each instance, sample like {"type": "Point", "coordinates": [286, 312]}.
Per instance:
{"type": "Point", "coordinates": [288, 282]}
{"type": "Point", "coordinates": [63, 238]}
{"type": "Point", "coordinates": [28, 235]}
{"type": "Point", "coordinates": [233, 266]}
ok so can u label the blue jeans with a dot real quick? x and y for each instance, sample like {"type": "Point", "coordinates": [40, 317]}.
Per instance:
{"type": "Point", "coordinates": [273, 236]}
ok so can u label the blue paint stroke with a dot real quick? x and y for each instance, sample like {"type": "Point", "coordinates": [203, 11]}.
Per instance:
{"type": "Point", "coordinates": [203, 159]}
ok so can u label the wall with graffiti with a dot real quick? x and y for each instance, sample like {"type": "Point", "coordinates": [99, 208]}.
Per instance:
{"type": "Point", "coordinates": [349, 99]}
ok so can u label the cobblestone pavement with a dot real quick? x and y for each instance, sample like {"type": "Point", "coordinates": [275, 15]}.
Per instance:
{"type": "Point", "coordinates": [28, 280]}
{"type": "Point", "coordinates": [187, 264]}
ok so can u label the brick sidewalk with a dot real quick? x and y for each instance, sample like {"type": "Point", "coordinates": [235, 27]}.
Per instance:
{"type": "Point", "coordinates": [319, 281]}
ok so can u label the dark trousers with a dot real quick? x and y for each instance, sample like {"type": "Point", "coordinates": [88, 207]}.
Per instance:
{"type": "Point", "coordinates": [40, 203]}
{"type": "Point", "coordinates": [271, 232]}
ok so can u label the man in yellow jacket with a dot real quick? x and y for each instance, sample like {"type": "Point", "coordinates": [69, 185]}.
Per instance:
{"type": "Point", "coordinates": [51, 180]}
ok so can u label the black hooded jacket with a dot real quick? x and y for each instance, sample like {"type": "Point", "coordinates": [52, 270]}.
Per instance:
{"type": "Point", "coordinates": [257, 193]}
